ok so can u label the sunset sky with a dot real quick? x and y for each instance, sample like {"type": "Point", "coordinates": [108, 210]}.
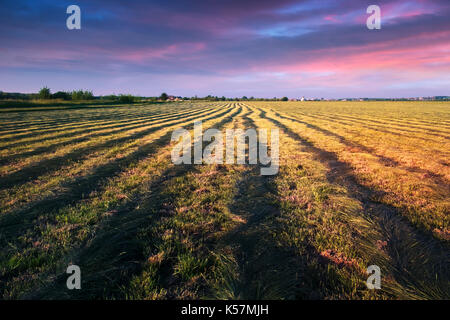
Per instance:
{"type": "Point", "coordinates": [233, 48]}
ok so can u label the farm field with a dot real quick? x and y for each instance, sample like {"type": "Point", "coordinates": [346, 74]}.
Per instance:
{"type": "Point", "coordinates": [359, 184]}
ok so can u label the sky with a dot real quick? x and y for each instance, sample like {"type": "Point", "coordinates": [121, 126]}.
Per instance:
{"type": "Point", "coordinates": [230, 48]}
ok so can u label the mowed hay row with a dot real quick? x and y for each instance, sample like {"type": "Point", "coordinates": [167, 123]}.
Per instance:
{"type": "Point", "coordinates": [424, 200]}
{"type": "Point", "coordinates": [397, 144]}
{"type": "Point", "coordinates": [24, 140]}
{"type": "Point", "coordinates": [50, 230]}
{"type": "Point", "coordinates": [419, 193]}
{"type": "Point", "coordinates": [431, 113]}
{"type": "Point", "coordinates": [98, 166]}
{"type": "Point", "coordinates": [51, 148]}
{"type": "Point", "coordinates": [182, 261]}
{"type": "Point", "coordinates": [56, 170]}
{"type": "Point", "coordinates": [352, 231]}
{"type": "Point", "coordinates": [89, 118]}
{"type": "Point", "coordinates": [97, 188]}
{"type": "Point", "coordinates": [58, 119]}
{"type": "Point", "coordinates": [319, 231]}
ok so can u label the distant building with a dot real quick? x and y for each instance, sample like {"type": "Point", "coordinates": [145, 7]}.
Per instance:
{"type": "Point", "coordinates": [173, 98]}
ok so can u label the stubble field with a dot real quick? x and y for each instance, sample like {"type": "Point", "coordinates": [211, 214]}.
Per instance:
{"type": "Point", "coordinates": [360, 184]}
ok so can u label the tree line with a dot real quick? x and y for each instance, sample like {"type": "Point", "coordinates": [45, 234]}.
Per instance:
{"type": "Point", "coordinates": [83, 95]}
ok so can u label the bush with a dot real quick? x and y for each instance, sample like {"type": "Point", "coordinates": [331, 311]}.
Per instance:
{"type": "Point", "coordinates": [127, 98]}
{"type": "Point", "coordinates": [62, 95]}
{"type": "Point", "coordinates": [112, 97]}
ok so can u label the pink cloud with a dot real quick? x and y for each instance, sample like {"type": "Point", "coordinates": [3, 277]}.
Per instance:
{"type": "Point", "coordinates": [331, 18]}
{"type": "Point", "coordinates": [393, 55]}
{"type": "Point", "coordinates": [146, 54]}
{"type": "Point", "coordinates": [407, 9]}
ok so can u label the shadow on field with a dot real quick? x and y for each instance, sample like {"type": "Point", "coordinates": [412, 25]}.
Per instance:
{"type": "Point", "coordinates": [386, 161]}
{"type": "Point", "coordinates": [15, 223]}
{"type": "Point", "coordinates": [381, 128]}
{"type": "Point", "coordinates": [265, 270]}
{"type": "Point", "coordinates": [406, 126]}
{"type": "Point", "coordinates": [49, 165]}
{"type": "Point", "coordinates": [115, 254]}
{"type": "Point", "coordinates": [419, 261]}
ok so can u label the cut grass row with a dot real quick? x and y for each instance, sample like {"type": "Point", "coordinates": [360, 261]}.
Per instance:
{"type": "Point", "coordinates": [82, 126]}
{"type": "Point", "coordinates": [423, 201]}
{"type": "Point", "coordinates": [142, 228]}
{"type": "Point", "coordinates": [392, 151]}
{"type": "Point", "coordinates": [413, 263]}
{"type": "Point", "coordinates": [26, 149]}
{"type": "Point", "coordinates": [55, 232]}
{"type": "Point", "coordinates": [61, 175]}
{"type": "Point", "coordinates": [54, 119]}
{"type": "Point", "coordinates": [36, 165]}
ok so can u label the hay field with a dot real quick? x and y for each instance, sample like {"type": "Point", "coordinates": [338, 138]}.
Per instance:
{"type": "Point", "coordinates": [360, 183]}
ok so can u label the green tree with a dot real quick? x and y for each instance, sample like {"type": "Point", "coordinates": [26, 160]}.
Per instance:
{"type": "Point", "coordinates": [164, 96]}
{"type": "Point", "coordinates": [88, 95]}
{"type": "Point", "coordinates": [82, 95]}
{"type": "Point", "coordinates": [284, 99]}
{"type": "Point", "coordinates": [45, 93]}
{"type": "Point", "coordinates": [77, 95]}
